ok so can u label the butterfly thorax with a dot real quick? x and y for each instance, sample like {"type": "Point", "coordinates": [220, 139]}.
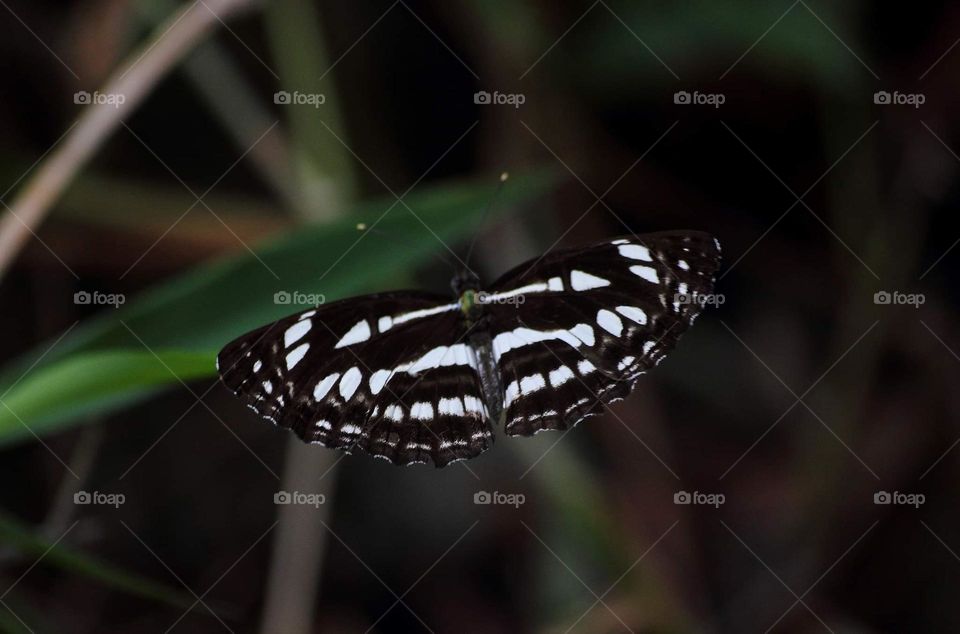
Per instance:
{"type": "Point", "coordinates": [471, 308]}
{"type": "Point", "coordinates": [466, 285]}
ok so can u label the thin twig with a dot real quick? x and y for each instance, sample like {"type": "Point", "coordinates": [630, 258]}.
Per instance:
{"type": "Point", "coordinates": [144, 68]}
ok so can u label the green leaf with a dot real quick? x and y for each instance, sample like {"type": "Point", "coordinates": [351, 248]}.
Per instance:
{"type": "Point", "coordinates": [703, 37]}
{"type": "Point", "coordinates": [109, 361]}
{"type": "Point", "coordinates": [92, 381]}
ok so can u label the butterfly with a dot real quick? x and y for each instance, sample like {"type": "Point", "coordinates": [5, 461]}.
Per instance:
{"type": "Point", "coordinates": [417, 377]}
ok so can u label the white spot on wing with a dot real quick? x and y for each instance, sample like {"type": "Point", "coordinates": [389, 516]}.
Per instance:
{"type": "Point", "coordinates": [683, 265]}
{"type": "Point", "coordinates": [511, 393]}
{"type": "Point", "coordinates": [294, 332]}
{"type": "Point", "coordinates": [633, 314]}
{"type": "Point", "coordinates": [295, 355]}
{"type": "Point", "coordinates": [268, 387]}
{"type": "Point", "coordinates": [350, 429]}
{"type": "Point", "coordinates": [394, 413]}
{"type": "Point", "coordinates": [422, 411]}
{"type": "Point", "coordinates": [520, 337]}
{"type": "Point", "coordinates": [472, 404]}
{"type": "Point", "coordinates": [451, 406]}
{"type": "Point", "coordinates": [537, 287]}
{"type": "Point", "coordinates": [584, 333]}
{"type": "Point", "coordinates": [425, 312]}
{"type": "Point", "coordinates": [385, 323]}
{"type": "Point", "coordinates": [635, 252]}
{"type": "Point", "coordinates": [581, 281]}
{"type": "Point", "coordinates": [646, 272]}
{"type": "Point", "coordinates": [378, 379]}
{"type": "Point", "coordinates": [555, 284]}
{"type": "Point", "coordinates": [256, 365]}
{"type": "Point", "coordinates": [532, 383]}
{"type": "Point", "coordinates": [505, 342]}
{"type": "Point", "coordinates": [560, 376]}
{"type": "Point", "coordinates": [429, 361]}
{"type": "Point", "coordinates": [625, 363]}
{"type": "Point", "coordinates": [585, 367]}
{"type": "Point", "coordinates": [358, 334]}
{"type": "Point", "coordinates": [323, 386]}
{"type": "Point", "coordinates": [350, 382]}
{"type": "Point", "coordinates": [609, 322]}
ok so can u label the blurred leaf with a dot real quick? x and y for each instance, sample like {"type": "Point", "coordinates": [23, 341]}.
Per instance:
{"type": "Point", "coordinates": [93, 381]}
{"type": "Point", "coordinates": [325, 169]}
{"type": "Point", "coordinates": [102, 364]}
{"type": "Point", "coordinates": [23, 539]}
{"type": "Point", "coordinates": [702, 37]}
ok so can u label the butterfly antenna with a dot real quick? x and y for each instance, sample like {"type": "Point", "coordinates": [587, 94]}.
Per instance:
{"type": "Point", "coordinates": [362, 226]}
{"type": "Point", "coordinates": [503, 179]}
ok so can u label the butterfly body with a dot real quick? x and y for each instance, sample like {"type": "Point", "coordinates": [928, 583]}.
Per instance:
{"type": "Point", "coordinates": [417, 377]}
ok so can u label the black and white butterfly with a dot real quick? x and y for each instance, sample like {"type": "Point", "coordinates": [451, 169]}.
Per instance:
{"type": "Point", "coordinates": [417, 377]}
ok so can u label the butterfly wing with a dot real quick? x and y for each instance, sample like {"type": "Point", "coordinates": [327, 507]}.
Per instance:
{"type": "Point", "coordinates": [592, 320]}
{"type": "Point", "coordinates": [390, 374]}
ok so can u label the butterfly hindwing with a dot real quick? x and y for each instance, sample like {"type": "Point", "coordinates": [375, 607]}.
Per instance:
{"type": "Point", "coordinates": [591, 320]}
{"type": "Point", "coordinates": [390, 374]}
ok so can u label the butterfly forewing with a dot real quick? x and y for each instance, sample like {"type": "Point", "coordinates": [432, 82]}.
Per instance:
{"type": "Point", "coordinates": [390, 374]}
{"type": "Point", "coordinates": [591, 320]}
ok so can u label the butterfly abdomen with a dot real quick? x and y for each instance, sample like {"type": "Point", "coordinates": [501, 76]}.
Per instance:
{"type": "Point", "coordinates": [490, 384]}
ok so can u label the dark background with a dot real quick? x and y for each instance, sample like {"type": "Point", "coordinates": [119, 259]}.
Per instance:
{"type": "Point", "coordinates": [798, 399]}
